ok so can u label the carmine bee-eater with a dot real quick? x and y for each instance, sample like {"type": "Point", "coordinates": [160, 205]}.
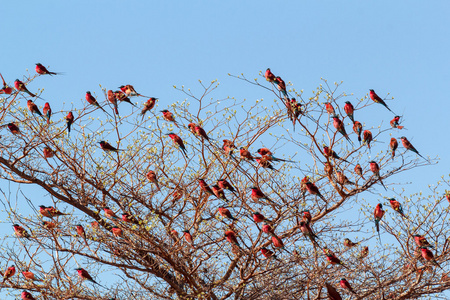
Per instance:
{"type": "Point", "coordinates": [376, 171]}
{"type": "Point", "coordinates": [120, 96]}
{"type": "Point", "coordinates": [21, 232]}
{"type": "Point", "coordinates": [34, 108]}
{"type": "Point", "coordinates": [333, 294]}
{"type": "Point", "coordinates": [348, 243]}
{"type": "Point", "coordinates": [43, 210]}
{"type": "Point", "coordinates": [109, 213]}
{"type": "Point", "coordinates": [40, 69]}
{"type": "Point", "coordinates": [258, 217]}
{"type": "Point", "coordinates": [53, 212]}
{"type": "Point", "coordinates": [377, 99]}
{"type": "Point", "coordinates": [5, 89]}
{"type": "Point", "coordinates": [80, 230]}
{"type": "Point", "coordinates": [128, 218]}
{"type": "Point", "coordinates": [48, 224]}
{"type": "Point", "coordinates": [349, 109]}
{"type": "Point", "coordinates": [245, 154]}
{"type": "Point", "coordinates": [27, 296]}
{"type": "Point", "coordinates": [151, 176]}
{"type": "Point", "coordinates": [329, 108]}
{"type": "Point", "coordinates": [178, 142]}
{"type": "Point", "coordinates": [307, 232]}
{"type": "Point", "coordinates": [231, 237]}
{"type": "Point", "coordinates": [258, 194]}
{"type": "Point", "coordinates": [367, 138]}
{"type": "Point", "coordinates": [20, 86]}
{"type": "Point", "coordinates": [264, 162]}
{"type": "Point", "coordinates": [112, 99]}
{"type": "Point", "coordinates": [409, 146]}
{"type": "Point", "coordinates": [188, 238]}
{"type": "Point", "coordinates": [69, 120]}
{"type": "Point", "coordinates": [297, 110]}
{"type": "Point", "coordinates": [278, 243]}
{"type": "Point", "coordinates": [83, 274]}
{"type": "Point", "coordinates": [342, 179]}
{"type": "Point", "coordinates": [174, 233]}
{"type": "Point", "coordinates": [346, 285]}
{"type": "Point", "coordinates": [198, 130]}
{"type": "Point", "coordinates": [393, 145]}
{"type": "Point", "coordinates": [9, 273]}
{"type": "Point", "coordinates": [268, 155]}
{"type": "Point", "coordinates": [13, 128]}
{"type": "Point", "coordinates": [312, 188]}
{"type": "Point", "coordinates": [116, 231]}
{"type": "Point", "coordinates": [218, 192]}
{"type": "Point", "coordinates": [339, 125]}
{"type": "Point", "coordinates": [148, 106]}
{"type": "Point", "coordinates": [378, 214]}
{"type": "Point", "coordinates": [107, 147]}
{"type": "Point", "coordinates": [269, 75]}
{"type": "Point", "coordinates": [359, 171]}
{"type": "Point", "coordinates": [333, 260]}
{"type": "Point", "coordinates": [228, 147]}
{"type": "Point", "coordinates": [129, 90]}
{"type": "Point", "coordinates": [48, 152]}
{"type": "Point", "coordinates": [447, 195]}
{"type": "Point", "coordinates": [364, 252]}
{"type": "Point", "coordinates": [168, 116]}
{"type": "Point", "coordinates": [91, 100]}
{"type": "Point", "coordinates": [281, 85]}
{"type": "Point", "coordinates": [204, 186]}
{"type": "Point", "coordinates": [396, 206]}
{"type": "Point", "coordinates": [421, 241]}
{"type": "Point", "coordinates": [30, 275]}
{"type": "Point", "coordinates": [225, 185]}
{"type": "Point", "coordinates": [357, 128]}
{"type": "Point", "coordinates": [267, 229]}
{"type": "Point", "coordinates": [224, 212]}
{"type": "Point", "coordinates": [306, 216]}
{"type": "Point", "coordinates": [47, 112]}
{"type": "Point", "coordinates": [428, 256]}
{"type": "Point", "coordinates": [395, 123]}
{"type": "Point", "coordinates": [328, 168]}
{"type": "Point", "coordinates": [267, 253]}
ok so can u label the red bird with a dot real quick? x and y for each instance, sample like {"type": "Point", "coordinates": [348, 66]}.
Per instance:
{"type": "Point", "coordinates": [346, 285]}
{"type": "Point", "coordinates": [306, 216]}
{"type": "Point", "coordinates": [409, 146]}
{"type": "Point", "coordinates": [47, 112]}
{"type": "Point", "coordinates": [128, 218]}
{"type": "Point", "coordinates": [30, 276]}
{"type": "Point", "coordinates": [312, 188]}
{"type": "Point", "coordinates": [48, 224]}
{"type": "Point", "coordinates": [9, 273]}
{"type": "Point", "coordinates": [148, 106]}
{"type": "Point", "coordinates": [281, 85]}
{"type": "Point", "coordinates": [349, 109]}
{"type": "Point", "coordinates": [201, 132]}
{"type": "Point", "coordinates": [69, 120]}
{"type": "Point", "coordinates": [178, 142]}
{"type": "Point", "coordinates": [40, 69]}
{"type": "Point", "coordinates": [393, 145]}
{"type": "Point", "coordinates": [267, 228]}
{"type": "Point", "coordinates": [151, 176]}
{"type": "Point", "coordinates": [20, 231]}
{"type": "Point", "coordinates": [120, 96]}
{"type": "Point", "coordinates": [218, 192]}
{"type": "Point", "coordinates": [34, 108]}
{"type": "Point", "coordinates": [339, 125]}
{"type": "Point", "coordinates": [378, 214]}
{"type": "Point", "coordinates": [333, 260]}
{"type": "Point", "coordinates": [117, 231]}
{"type": "Point", "coordinates": [188, 237]}
{"type": "Point", "coordinates": [107, 147]}
{"type": "Point", "coordinates": [204, 186]}
{"type": "Point", "coordinates": [85, 275]}
{"type": "Point", "coordinates": [13, 128]}
{"type": "Point", "coordinates": [245, 154]}
{"type": "Point", "coordinates": [257, 194]}
{"type": "Point", "coordinates": [396, 206]}
{"type": "Point", "coordinates": [54, 212]}
{"type": "Point", "coordinates": [5, 89]}
{"type": "Point", "coordinates": [269, 75]}
{"type": "Point", "coordinates": [225, 213]}
{"type": "Point", "coordinates": [112, 98]}
{"type": "Point", "coordinates": [367, 138]}
{"type": "Point", "coordinates": [258, 217]}
{"type": "Point", "coordinates": [231, 237]}
{"type": "Point", "coordinates": [80, 231]}
{"type": "Point", "coordinates": [129, 90]}
{"type": "Point", "coordinates": [91, 100]}
{"type": "Point", "coordinates": [328, 168]}
{"type": "Point", "coordinates": [168, 116]}
{"type": "Point", "coordinates": [267, 253]}
{"type": "Point", "coordinates": [228, 147]}
{"type": "Point", "coordinates": [357, 128]}
{"type": "Point", "coordinates": [394, 122]}
{"type": "Point", "coordinates": [109, 213]}
{"type": "Point", "coordinates": [329, 108]}
{"type": "Point", "coordinates": [342, 179]}
{"type": "Point", "coordinates": [48, 152]}
{"type": "Point", "coordinates": [421, 241]}
{"type": "Point", "coordinates": [20, 86]}
{"type": "Point", "coordinates": [225, 185]}
{"type": "Point", "coordinates": [376, 171]}
{"type": "Point", "coordinates": [277, 242]}
{"type": "Point", "coordinates": [359, 171]}
{"type": "Point", "coordinates": [428, 256]}
{"type": "Point", "coordinates": [377, 99]}
{"type": "Point", "coordinates": [27, 296]}
{"type": "Point", "coordinates": [307, 232]}
{"type": "Point", "coordinates": [349, 243]}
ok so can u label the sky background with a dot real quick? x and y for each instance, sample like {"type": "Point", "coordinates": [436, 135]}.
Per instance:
{"type": "Point", "coordinates": [396, 47]}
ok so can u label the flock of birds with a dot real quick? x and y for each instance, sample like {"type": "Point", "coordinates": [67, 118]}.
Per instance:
{"type": "Point", "coordinates": [266, 159]}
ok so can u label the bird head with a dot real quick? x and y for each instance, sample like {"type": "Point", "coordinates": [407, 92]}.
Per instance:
{"type": "Point", "coordinates": [347, 102]}
{"type": "Point", "coordinates": [38, 64]}
{"type": "Point", "coordinates": [403, 138]}
{"type": "Point", "coordinates": [371, 91]}
{"type": "Point", "coordinates": [186, 231]}
{"type": "Point", "coordinates": [88, 92]}
{"type": "Point", "coordinates": [164, 111]}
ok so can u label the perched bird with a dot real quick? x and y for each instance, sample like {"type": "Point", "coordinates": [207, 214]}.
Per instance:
{"type": "Point", "coordinates": [231, 237]}
{"type": "Point", "coordinates": [21, 232]}
{"type": "Point", "coordinates": [225, 185]}
{"type": "Point", "coordinates": [313, 189]}
{"type": "Point", "coordinates": [116, 231]}
{"type": "Point", "coordinates": [307, 232]}
{"type": "Point", "coordinates": [27, 296]}
{"type": "Point", "coordinates": [409, 146]}
{"type": "Point", "coordinates": [264, 162]}
{"type": "Point", "coordinates": [83, 274]}
{"type": "Point", "coordinates": [258, 217]}
{"type": "Point", "coordinates": [357, 128]}
{"type": "Point", "coordinates": [339, 125]}
{"type": "Point", "coordinates": [228, 147]}
{"type": "Point", "coordinates": [349, 109]}
{"type": "Point", "coordinates": [34, 108]}
{"type": "Point", "coordinates": [5, 89]}
{"type": "Point", "coordinates": [333, 294]}
{"type": "Point", "coordinates": [9, 273]}
{"type": "Point", "coordinates": [267, 253]}
{"type": "Point", "coordinates": [377, 99]}
{"type": "Point", "coordinates": [306, 216]}
{"type": "Point", "coordinates": [328, 168]}
{"type": "Point", "coordinates": [47, 112]}
{"type": "Point", "coordinates": [421, 241]}
{"type": "Point", "coordinates": [224, 212]}
{"type": "Point", "coordinates": [30, 275]}
{"type": "Point", "coordinates": [327, 152]}
{"type": "Point", "coordinates": [151, 176]}
{"type": "Point", "coordinates": [428, 256]}
{"type": "Point", "coordinates": [258, 194]}
{"type": "Point", "coordinates": [13, 128]}
{"type": "Point", "coordinates": [218, 192]}
{"type": "Point", "coordinates": [148, 106]}
{"type": "Point", "coordinates": [69, 120]}
{"type": "Point", "coordinates": [395, 124]}
{"type": "Point", "coordinates": [48, 152]}
{"type": "Point", "coordinates": [122, 97]}
{"type": "Point", "coordinates": [342, 179]}
{"type": "Point", "coordinates": [109, 213]}
{"type": "Point", "coordinates": [188, 238]}
{"type": "Point", "coordinates": [269, 75]}
{"type": "Point", "coordinates": [346, 285]}
{"type": "Point", "coordinates": [393, 145]}
{"type": "Point", "coordinates": [80, 230]}
{"type": "Point", "coordinates": [333, 260]}
{"type": "Point", "coordinates": [367, 138]}
{"type": "Point", "coordinates": [268, 155]}
{"type": "Point", "coordinates": [129, 90]}
{"type": "Point", "coordinates": [48, 224]}
{"type": "Point", "coordinates": [53, 212]}
{"type": "Point", "coordinates": [267, 229]}
{"type": "Point", "coordinates": [20, 86]}
{"type": "Point", "coordinates": [198, 130]}
{"type": "Point", "coordinates": [178, 142]}
{"type": "Point", "coordinates": [376, 171]}
{"type": "Point", "coordinates": [168, 116]}
{"type": "Point", "coordinates": [277, 242]}
{"type": "Point", "coordinates": [348, 243]}
{"type": "Point", "coordinates": [281, 85]}
{"type": "Point", "coordinates": [378, 214]}
{"type": "Point", "coordinates": [245, 154]}
{"type": "Point", "coordinates": [41, 70]}
{"type": "Point", "coordinates": [364, 252]}
{"type": "Point", "coordinates": [128, 218]}
{"type": "Point", "coordinates": [204, 186]}
{"type": "Point", "coordinates": [112, 98]}
{"type": "Point", "coordinates": [107, 147]}
{"type": "Point", "coordinates": [396, 206]}
{"type": "Point", "coordinates": [359, 171]}
{"type": "Point", "coordinates": [329, 108]}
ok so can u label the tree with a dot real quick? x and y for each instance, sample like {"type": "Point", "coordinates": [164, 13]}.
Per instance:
{"type": "Point", "coordinates": [140, 220]}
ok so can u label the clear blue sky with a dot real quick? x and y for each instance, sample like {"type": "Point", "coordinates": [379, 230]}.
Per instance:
{"type": "Point", "coordinates": [396, 47]}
